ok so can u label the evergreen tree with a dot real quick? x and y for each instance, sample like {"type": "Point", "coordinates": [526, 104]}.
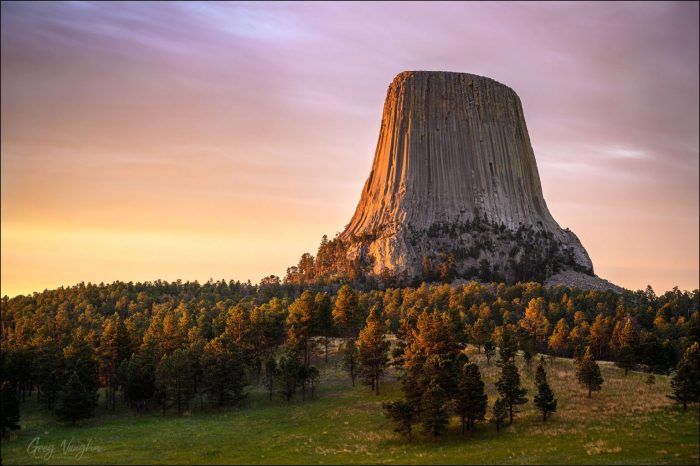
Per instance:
{"type": "Point", "coordinates": [174, 380]}
{"type": "Point", "coordinates": [78, 357]}
{"type": "Point", "coordinates": [499, 413]}
{"type": "Point", "coordinates": [507, 342]}
{"type": "Point", "coordinates": [314, 376]}
{"type": "Point", "coordinates": [540, 374]}
{"type": "Point", "coordinates": [471, 401]}
{"type": "Point", "coordinates": [435, 410]}
{"type": "Point", "coordinates": [510, 389]}
{"type": "Point", "coordinates": [588, 372]}
{"type": "Point", "coordinates": [350, 357]}
{"type": "Point", "coordinates": [75, 402]}
{"type": "Point", "coordinates": [686, 381]}
{"type": "Point", "coordinates": [535, 324]}
{"type": "Point", "coordinates": [626, 358]}
{"type": "Point", "coordinates": [300, 324]}
{"type": "Point", "coordinates": [478, 334]}
{"type": "Point", "coordinates": [115, 347]}
{"type": "Point", "coordinates": [373, 350]}
{"type": "Point", "coordinates": [403, 415]}
{"type": "Point", "coordinates": [544, 400]}
{"type": "Point", "coordinates": [288, 369]}
{"type": "Point", "coordinates": [224, 375]}
{"type": "Point", "coordinates": [650, 380]}
{"type": "Point", "coordinates": [48, 372]}
{"type": "Point", "coordinates": [270, 374]}
{"type": "Point", "coordinates": [559, 340]}
{"type": "Point", "coordinates": [323, 321]}
{"type": "Point", "coordinates": [346, 311]}
{"type": "Point", "coordinates": [9, 408]}
{"type": "Point", "coordinates": [137, 377]}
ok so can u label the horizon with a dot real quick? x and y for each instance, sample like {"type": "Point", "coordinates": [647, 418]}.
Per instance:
{"type": "Point", "coordinates": [198, 140]}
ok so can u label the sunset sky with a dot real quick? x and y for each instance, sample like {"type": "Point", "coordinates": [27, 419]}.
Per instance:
{"type": "Point", "coordinates": [221, 140]}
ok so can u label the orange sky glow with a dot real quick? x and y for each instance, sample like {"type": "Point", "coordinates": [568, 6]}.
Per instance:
{"type": "Point", "coordinates": [145, 141]}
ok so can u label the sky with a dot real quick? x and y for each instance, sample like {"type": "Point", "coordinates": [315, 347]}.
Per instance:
{"type": "Point", "coordinates": [145, 141]}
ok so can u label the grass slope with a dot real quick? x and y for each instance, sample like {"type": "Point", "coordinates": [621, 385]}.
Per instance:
{"type": "Point", "coordinates": [627, 422]}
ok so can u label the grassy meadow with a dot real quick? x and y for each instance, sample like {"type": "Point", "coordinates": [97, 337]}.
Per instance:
{"type": "Point", "coordinates": [627, 422]}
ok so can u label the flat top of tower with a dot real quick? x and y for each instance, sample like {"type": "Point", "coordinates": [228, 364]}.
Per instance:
{"type": "Point", "coordinates": [405, 75]}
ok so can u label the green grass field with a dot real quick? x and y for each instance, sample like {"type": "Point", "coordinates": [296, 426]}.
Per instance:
{"type": "Point", "coordinates": [625, 423]}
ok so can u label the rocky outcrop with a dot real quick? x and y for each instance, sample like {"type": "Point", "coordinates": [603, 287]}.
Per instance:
{"type": "Point", "coordinates": [454, 175]}
{"type": "Point", "coordinates": [571, 279]}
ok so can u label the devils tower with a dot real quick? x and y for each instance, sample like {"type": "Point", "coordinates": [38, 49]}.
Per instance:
{"type": "Point", "coordinates": [454, 185]}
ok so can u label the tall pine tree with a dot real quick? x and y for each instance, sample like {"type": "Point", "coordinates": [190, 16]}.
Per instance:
{"type": "Point", "coordinates": [471, 401]}
{"type": "Point", "coordinates": [588, 372]}
{"type": "Point", "coordinates": [544, 400]}
{"type": "Point", "coordinates": [373, 350]}
{"type": "Point", "coordinates": [75, 402]}
{"type": "Point", "coordinates": [510, 389]}
{"type": "Point", "coordinates": [435, 410]}
{"type": "Point", "coordinates": [686, 381]}
{"type": "Point", "coordinates": [403, 415]}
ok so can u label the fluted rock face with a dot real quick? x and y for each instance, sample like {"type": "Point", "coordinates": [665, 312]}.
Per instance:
{"type": "Point", "coordinates": [452, 147]}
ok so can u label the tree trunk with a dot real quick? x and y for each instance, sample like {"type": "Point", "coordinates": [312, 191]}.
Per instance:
{"type": "Point", "coordinates": [510, 411]}
{"type": "Point", "coordinates": [589, 392]}
{"type": "Point", "coordinates": [463, 423]}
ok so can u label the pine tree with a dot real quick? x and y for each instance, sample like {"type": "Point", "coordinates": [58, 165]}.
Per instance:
{"type": "Point", "coordinates": [626, 358]}
{"type": "Point", "coordinates": [510, 389]}
{"type": "Point", "coordinates": [403, 415]}
{"type": "Point", "coordinates": [686, 381]}
{"type": "Point", "coordinates": [544, 400]}
{"type": "Point", "coordinates": [314, 376]}
{"type": "Point", "coordinates": [540, 374]}
{"type": "Point", "coordinates": [346, 311]}
{"type": "Point", "coordinates": [9, 408]}
{"type": "Point", "coordinates": [350, 359]}
{"type": "Point", "coordinates": [559, 340]}
{"type": "Point", "coordinates": [270, 374]}
{"type": "Point", "coordinates": [588, 372]}
{"type": "Point", "coordinates": [75, 402]}
{"type": "Point", "coordinates": [477, 334]}
{"type": "Point", "coordinates": [174, 379]}
{"type": "Point", "coordinates": [224, 372]}
{"type": "Point", "coordinates": [137, 378]}
{"type": "Point", "coordinates": [300, 324]}
{"type": "Point", "coordinates": [471, 402]}
{"type": "Point", "coordinates": [288, 374]}
{"type": "Point", "coordinates": [115, 347]}
{"type": "Point", "coordinates": [435, 410]}
{"type": "Point", "coordinates": [373, 350]}
{"type": "Point", "coordinates": [507, 343]}
{"type": "Point", "coordinates": [534, 322]}
{"type": "Point", "coordinates": [499, 413]}
{"type": "Point", "coordinates": [650, 380]}
{"type": "Point", "coordinates": [323, 321]}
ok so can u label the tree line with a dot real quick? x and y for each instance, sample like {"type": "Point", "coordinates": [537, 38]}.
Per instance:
{"type": "Point", "coordinates": [169, 346]}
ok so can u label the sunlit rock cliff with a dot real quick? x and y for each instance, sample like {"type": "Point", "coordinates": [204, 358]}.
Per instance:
{"type": "Point", "coordinates": [454, 188]}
